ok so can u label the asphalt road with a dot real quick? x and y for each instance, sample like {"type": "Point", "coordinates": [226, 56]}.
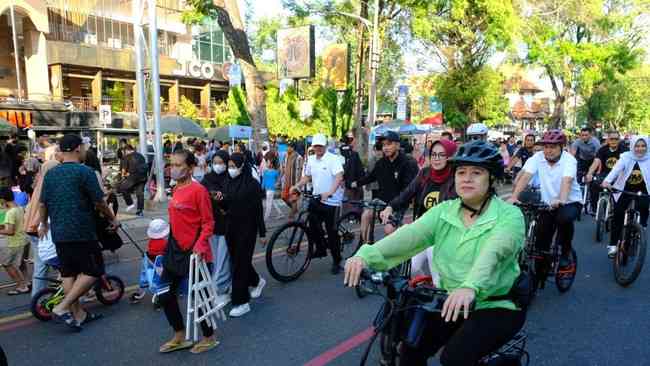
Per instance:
{"type": "Point", "coordinates": [315, 320]}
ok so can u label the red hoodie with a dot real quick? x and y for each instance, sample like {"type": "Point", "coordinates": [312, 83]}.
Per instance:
{"type": "Point", "coordinates": [190, 210]}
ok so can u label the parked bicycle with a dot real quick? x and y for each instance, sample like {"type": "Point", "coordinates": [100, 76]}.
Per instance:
{"type": "Point", "coordinates": [542, 264]}
{"type": "Point", "coordinates": [108, 289]}
{"type": "Point", "coordinates": [291, 247]}
{"type": "Point", "coordinates": [406, 300]}
{"type": "Point", "coordinates": [631, 249]}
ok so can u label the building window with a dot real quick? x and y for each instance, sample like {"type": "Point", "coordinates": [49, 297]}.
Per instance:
{"type": "Point", "coordinates": [209, 44]}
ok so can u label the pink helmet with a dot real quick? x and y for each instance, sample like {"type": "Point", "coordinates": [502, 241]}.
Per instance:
{"type": "Point", "coordinates": [554, 137]}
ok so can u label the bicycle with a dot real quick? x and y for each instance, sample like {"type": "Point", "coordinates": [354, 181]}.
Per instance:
{"type": "Point", "coordinates": [604, 212]}
{"type": "Point", "coordinates": [410, 300]}
{"type": "Point", "coordinates": [289, 251]}
{"type": "Point", "coordinates": [541, 264]}
{"type": "Point", "coordinates": [108, 289]}
{"type": "Point", "coordinates": [631, 249]}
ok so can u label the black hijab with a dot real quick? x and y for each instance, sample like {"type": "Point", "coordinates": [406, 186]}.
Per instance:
{"type": "Point", "coordinates": [217, 182]}
{"type": "Point", "coordinates": [243, 193]}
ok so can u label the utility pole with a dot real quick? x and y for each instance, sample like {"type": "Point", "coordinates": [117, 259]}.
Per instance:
{"type": "Point", "coordinates": [155, 80]}
{"type": "Point", "coordinates": [138, 10]}
{"type": "Point", "coordinates": [16, 56]}
{"type": "Point", "coordinates": [374, 64]}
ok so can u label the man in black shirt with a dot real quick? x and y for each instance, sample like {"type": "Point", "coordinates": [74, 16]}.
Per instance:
{"type": "Point", "coordinates": [523, 153]}
{"type": "Point", "coordinates": [605, 159]}
{"type": "Point", "coordinates": [393, 173]}
{"type": "Point", "coordinates": [134, 179]}
{"type": "Point", "coordinates": [352, 170]}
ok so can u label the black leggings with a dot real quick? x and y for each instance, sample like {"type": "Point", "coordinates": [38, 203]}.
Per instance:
{"type": "Point", "coordinates": [169, 303]}
{"type": "Point", "coordinates": [466, 341]}
{"type": "Point", "coordinates": [624, 200]}
{"type": "Point", "coordinates": [562, 220]}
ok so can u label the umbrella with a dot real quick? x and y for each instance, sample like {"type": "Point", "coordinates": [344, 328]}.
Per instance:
{"type": "Point", "coordinates": [414, 129]}
{"type": "Point", "coordinates": [230, 132]}
{"type": "Point", "coordinates": [6, 126]}
{"type": "Point", "coordinates": [181, 125]}
{"type": "Point", "coordinates": [433, 120]}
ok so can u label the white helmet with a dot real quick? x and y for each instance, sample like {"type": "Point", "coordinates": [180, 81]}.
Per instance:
{"type": "Point", "coordinates": [477, 129]}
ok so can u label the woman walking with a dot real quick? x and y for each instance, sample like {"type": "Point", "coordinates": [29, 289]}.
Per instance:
{"type": "Point", "coordinates": [192, 224]}
{"type": "Point", "coordinates": [243, 202]}
{"type": "Point", "coordinates": [291, 174]}
{"type": "Point", "coordinates": [269, 180]}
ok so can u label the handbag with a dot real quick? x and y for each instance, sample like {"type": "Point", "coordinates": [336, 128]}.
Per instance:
{"type": "Point", "coordinates": [177, 260]}
{"type": "Point", "coordinates": [108, 239]}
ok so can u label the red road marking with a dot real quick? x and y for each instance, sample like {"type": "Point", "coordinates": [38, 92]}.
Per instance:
{"type": "Point", "coordinates": [16, 324]}
{"type": "Point", "coordinates": [342, 348]}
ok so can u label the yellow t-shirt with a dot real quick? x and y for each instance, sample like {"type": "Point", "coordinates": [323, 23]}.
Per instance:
{"type": "Point", "coordinates": [14, 216]}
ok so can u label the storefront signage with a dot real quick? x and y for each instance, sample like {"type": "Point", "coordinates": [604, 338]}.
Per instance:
{"type": "Point", "coordinates": [195, 69]}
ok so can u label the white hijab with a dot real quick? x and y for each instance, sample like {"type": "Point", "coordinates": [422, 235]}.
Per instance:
{"type": "Point", "coordinates": [624, 166]}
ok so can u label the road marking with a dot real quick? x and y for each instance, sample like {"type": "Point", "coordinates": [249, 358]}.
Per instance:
{"type": "Point", "coordinates": [342, 348]}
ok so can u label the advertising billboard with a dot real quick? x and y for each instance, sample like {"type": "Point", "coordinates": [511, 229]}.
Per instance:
{"type": "Point", "coordinates": [336, 66]}
{"type": "Point", "coordinates": [296, 54]}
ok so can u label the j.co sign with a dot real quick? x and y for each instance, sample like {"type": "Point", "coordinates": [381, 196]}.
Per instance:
{"type": "Point", "coordinates": [195, 69]}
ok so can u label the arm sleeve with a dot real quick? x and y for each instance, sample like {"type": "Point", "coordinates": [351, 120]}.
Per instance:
{"type": "Point", "coordinates": [91, 186]}
{"type": "Point", "coordinates": [403, 244]}
{"type": "Point", "coordinates": [411, 172]}
{"type": "Point", "coordinates": [368, 178]}
{"type": "Point", "coordinates": [207, 220]}
{"type": "Point", "coordinates": [10, 217]}
{"type": "Point", "coordinates": [502, 246]}
{"type": "Point", "coordinates": [615, 172]}
{"type": "Point", "coordinates": [336, 167]}
{"type": "Point", "coordinates": [570, 169]}
{"type": "Point", "coordinates": [532, 165]}
{"type": "Point", "coordinates": [406, 196]}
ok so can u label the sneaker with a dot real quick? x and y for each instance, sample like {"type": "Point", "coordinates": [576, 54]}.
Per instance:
{"type": "Point", "coordinates": [565, 262]}
{"type": "Point", "coordinates": [611, 251]}
{"type": "Point", "coordinates": [240, 310]}
{"type": "Point", "coordinates": [139, 214]}
{"type": "Point", "coordinates": [223, 300]}
{"type": "Point", "coordinates": [257, 290]}
{"type": "Point", "coordinates": [130, 208]}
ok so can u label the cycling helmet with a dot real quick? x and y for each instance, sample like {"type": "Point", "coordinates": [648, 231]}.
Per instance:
{"type": "Point", "coordinates": [479, 153]}
{"type": "Point", "coordinates": [477, 129]}
{"type": "Point", "coordinates": [554, 137]}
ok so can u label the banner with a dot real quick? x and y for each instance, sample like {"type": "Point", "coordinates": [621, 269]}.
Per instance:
{"type": "Point", "coordinates": [336, 66]}
{"type": "Point", "coordinates": [296, 54]}
{"type": "Point", "coordinates": [402, 97]}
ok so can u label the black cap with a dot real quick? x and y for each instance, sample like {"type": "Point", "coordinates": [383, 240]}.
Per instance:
{"type": "Point", "coordinates": [390, 136]}
{"type": "Point", "coordinates": [69, 143]}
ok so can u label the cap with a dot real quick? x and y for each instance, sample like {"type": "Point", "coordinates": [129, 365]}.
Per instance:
{"type": "Point", "coordinates": [390, 136]}
{"type": "Point", "coordinates": [158, 229]}
{"type": "Point", "coordinates": [69, 142]}
{"type": "Point", "coordinates": [319, 140]}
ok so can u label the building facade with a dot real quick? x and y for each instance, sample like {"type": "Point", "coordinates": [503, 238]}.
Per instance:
{"type": "Point", "coordinates": [82, 52]}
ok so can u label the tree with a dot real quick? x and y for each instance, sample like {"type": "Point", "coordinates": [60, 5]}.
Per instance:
{"type": "Point", "coordinates": [187, 109]}
{"type": "Point", "coordinates": [232, 111]}
{"type": "Point", "coordinates": [118, 99]}
{"type": "Point", "coordinates": [229, 18]}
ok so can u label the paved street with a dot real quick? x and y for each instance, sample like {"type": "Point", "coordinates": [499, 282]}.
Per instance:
{"type": "Point", "coordinates": [315, 320]}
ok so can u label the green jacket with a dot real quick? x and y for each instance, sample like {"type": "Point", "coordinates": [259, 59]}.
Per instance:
{"type": "Point", "coordinates": [482, 257]}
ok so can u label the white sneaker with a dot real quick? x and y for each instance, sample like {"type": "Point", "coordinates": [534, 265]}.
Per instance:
{"type": "Point", "coordinates": [611, 251]}
{"type": "Point", "coordinates": [240, 310]}
{"type": "Point", "coordinates": [223, 300]}
{"type": "Point", "coordinates": [130, 208]}
{"type": "Point", "coordinates": [257, 290]}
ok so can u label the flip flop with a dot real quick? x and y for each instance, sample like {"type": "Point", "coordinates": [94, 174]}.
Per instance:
{"type": "Point", "coordinates": [18, 292]}
{"type": "Point", "coordinates": [204, 346]}
{"type": "Point", "coordinates": [90, 317]}
{"type": "Point", "coordinates": [172, 346]}
{"type": "Point", "coordinates": [67, 319]}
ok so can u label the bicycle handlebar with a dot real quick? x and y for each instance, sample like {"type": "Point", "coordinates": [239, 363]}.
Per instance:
{"type": "Point", "coordinates": [637, 194]}
{"type": "Point", "coordinates": [428, 297]}
{"type": "Point", "coordinates": [375, 204]}
{"type": "Point", "coordinates": [534, 206]}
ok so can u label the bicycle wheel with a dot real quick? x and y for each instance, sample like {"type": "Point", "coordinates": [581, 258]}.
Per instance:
{"type": "Point", "coordinates": [564, 278]}
{"type": "Point", "coordinates": [288, 252]}
{"type": "Point", "coordinates": [109, 290]}
{"type": "Point", "coordinates": [346, 226]}
{"type": "Point", "coordinates": [630, 256]}
{"type": "Point", "coordinates": [388, 345]}
{"type": "Point", "coordinates": [600, 220]}
{"type": "Point", "coordinates": [43, 302]}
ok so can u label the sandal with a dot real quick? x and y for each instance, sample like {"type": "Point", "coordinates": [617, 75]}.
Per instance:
{"type": "Point", "coordinates": [18, 291]}
{"type": "Point", "coordinates": [67, 319]}
{"type": "Point", "coordinates": [90, 317]}
{"type": "Point", "coordinates": [204, 345]}
{"type": "Point", "coordinates": [172, 346]}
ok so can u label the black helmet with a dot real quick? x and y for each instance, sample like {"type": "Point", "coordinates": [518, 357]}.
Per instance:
{"type": "Point", "coordinates": [479, 153]}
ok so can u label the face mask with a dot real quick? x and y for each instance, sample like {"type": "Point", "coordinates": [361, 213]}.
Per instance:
{"type": "Point", "coordinates": [233, 172]}
{"type": "Point", "coordinates": [219, 168]}
{"type": "Point", "coordinates": [177, 173]}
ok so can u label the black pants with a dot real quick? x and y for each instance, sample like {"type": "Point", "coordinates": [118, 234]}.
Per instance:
{"type": "Point", "coordinates": [241, 245]}
{"type": "Point", "coordinates": [320, 213]}
{"type": "Point", "coordinates": [562, 220]}
{"type": "Point", "coordinates": [127, 190]}
{"type": "Point", "coordinates": [624, 200]}
{"type": "Point", "coordinates": [465, 341]}
{"type": "Point", "coordinates": [169, 303]}
{"type": "Point", "coordinates": [594, 193]}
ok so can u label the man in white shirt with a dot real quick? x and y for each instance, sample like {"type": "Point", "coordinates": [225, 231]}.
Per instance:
{"type": "Point", "coordinates": [559, 189]}
{"type": "Point", "coordinates": [325, 172]}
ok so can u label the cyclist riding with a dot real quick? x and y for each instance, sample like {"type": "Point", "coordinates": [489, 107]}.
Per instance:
{"type": "Point", "coordinates": [522, 155]}
{"type": "Point", "coordinates": [605, 160]}
{"type": "Point", "coordinates": [477, 131]}
{"type": "Point", "coordinates": [393, 172]}
{"type": "Point", "coordinates": [434, 184]}
{"type": "Point", "coordinates": [630, 173]}
{"type": "Point", "coordinates": [584, 150]}
{"type": "Point", "coordinates": [559, 189]}
{"type": "Point", "coordinates": [476, 240]}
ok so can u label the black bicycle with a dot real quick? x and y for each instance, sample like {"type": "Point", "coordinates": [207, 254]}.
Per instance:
{"type": "Point", "coordinates": [291, 247]}
{"type": "Point", "coordinates": [407, 302]}
{"type": "Point", "coordinates": [541, 264]}
{"type": "Point", "coordinates": [631, 249]}
{"type": "Point", "coordinates": [604, 212]}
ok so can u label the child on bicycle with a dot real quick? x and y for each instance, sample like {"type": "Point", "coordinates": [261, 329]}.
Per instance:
{"type": "Point", "coordinates": [157, 232]}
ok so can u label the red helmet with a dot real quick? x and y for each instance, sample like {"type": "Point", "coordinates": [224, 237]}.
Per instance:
{"type": "Point", "coordinates": [554, 137]}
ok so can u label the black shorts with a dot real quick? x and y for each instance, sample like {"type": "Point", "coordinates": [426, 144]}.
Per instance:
{"type": "Point", "coordinates": [80, 257]}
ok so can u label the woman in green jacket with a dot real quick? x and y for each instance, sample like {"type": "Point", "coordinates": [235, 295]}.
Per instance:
{"type": "Point", "coordinates": [476, 240]}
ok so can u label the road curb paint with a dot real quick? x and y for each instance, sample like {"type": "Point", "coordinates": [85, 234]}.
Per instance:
{"type": "Point", "coordinates": [342, 348]}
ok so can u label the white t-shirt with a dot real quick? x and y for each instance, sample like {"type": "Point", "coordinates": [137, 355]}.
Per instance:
{"type": "Point", "coordinates": [550, 177]}
{"type": "Point", "coordinates": [323, 173]}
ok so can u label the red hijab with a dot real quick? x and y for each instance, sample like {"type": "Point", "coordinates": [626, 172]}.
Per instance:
{"type": "Point", "coordinates": [441, 176]}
